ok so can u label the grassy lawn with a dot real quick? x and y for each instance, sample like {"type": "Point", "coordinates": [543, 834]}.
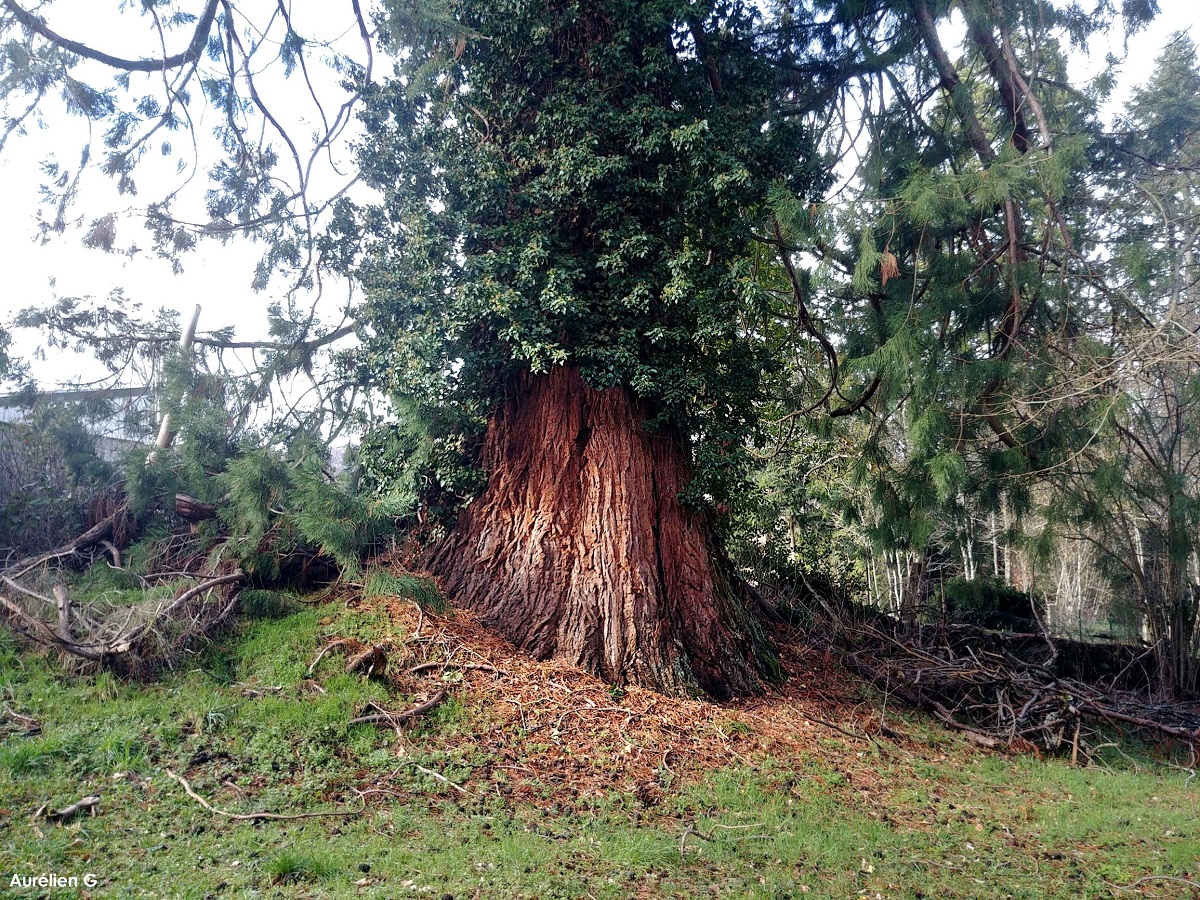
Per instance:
{"type": "Point", "coordinates": [462, 805]}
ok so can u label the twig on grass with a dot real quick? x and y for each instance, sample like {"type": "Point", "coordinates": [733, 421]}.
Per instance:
{"type": "Point", "coordinates": [847, 733]}
{"type": "Point", "coordinates": [28, 723]}
{"type": "Point", "coordinates": [693, 830]}
{"type": "Point", "coordinates": [475, 667]}
{"type": "Point", "coordinates": [252, 817]}
{"type": "Point", "coordinates": [439, 776]}
{"type": "Point", "coordinates": [313, 665]}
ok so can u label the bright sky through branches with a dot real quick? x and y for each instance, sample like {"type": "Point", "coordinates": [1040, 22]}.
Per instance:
{"type": "Point", "coordinates": [218, 276]}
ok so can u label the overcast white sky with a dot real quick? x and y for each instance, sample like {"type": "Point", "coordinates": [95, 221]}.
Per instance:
{"type": "Point", "coordinates": [218, 277]}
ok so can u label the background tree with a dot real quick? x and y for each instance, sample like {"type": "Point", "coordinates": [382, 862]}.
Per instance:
{"type": "Point", "coordinates": [1134, 492]}
{"type": "Point", "coordinates": [959, 265]}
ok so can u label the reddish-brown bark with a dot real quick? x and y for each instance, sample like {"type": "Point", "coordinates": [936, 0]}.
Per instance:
{"type": "Point", "coordinates": [580, 549]}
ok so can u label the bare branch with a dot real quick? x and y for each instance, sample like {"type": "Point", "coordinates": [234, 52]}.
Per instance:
{"type": "Point", "coordinates": [193, 52]}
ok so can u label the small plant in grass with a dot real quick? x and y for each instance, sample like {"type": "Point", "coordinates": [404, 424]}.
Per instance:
{"type": "Point", "coordinates": [106, 686]}
{"type": "Point", "coordinates": [263, 604]}
{"type": "Point", "coordinates": [735, 727]}
{"type": "Point", "coordinates": [120, 753]}
{"type": "Point", "coordinates": [422, 591]}
{"type": "Point", "coordinates": [215, 717]}
{"type": "Point", "coordinates": [295, 865]}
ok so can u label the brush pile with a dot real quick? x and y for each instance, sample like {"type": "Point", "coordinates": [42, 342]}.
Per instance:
{"type": "Point", "coordinates": [1021, 692]}
{"type": "Point", "coordinates": [183, 592]}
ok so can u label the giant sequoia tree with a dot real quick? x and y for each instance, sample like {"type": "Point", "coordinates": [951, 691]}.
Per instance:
{"type": "Point", "coordinates": [561, 275]}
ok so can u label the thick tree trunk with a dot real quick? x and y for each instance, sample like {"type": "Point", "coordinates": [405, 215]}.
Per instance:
{"type": "Point", "coordinates": [579, 548]}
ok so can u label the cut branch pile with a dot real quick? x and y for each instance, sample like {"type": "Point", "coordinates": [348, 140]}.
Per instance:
{"type": "Point", "coordinates": [1006, 692]}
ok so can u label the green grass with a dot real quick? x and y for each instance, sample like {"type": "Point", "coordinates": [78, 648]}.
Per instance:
{"type": "Point", "coordinates": [243, 723]}
{"type": "Point", "coordinates": [297, 865]}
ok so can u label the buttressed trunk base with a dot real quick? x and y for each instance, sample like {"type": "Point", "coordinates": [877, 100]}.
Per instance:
{"type": "Point", "coordinates": [580, 549]}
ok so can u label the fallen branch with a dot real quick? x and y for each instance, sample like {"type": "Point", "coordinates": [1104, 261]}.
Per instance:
{"type": "Point", "coordinates": [28, 723]}
{"type": "Point", "coordinates": [693, 830]}
{"type": "Point", "coordinates": [252, 817]}
{"type": "Point", "coordinates": [116, 644]}
{"type": "Point", "coordinates": [394, 718]}
{"type": "Point", "coordinates": [69, 812]}
{"type": "Point", "coordinates": [1190, 735]}
{"type": "Point", "coordinates": [687, 832]}
{"type": "Point", "coordinates": [39, 632]}
{"type": "Point", "coordinates": [998, 691]}
{"type": "Point", "coordinates": [207, 585]}
{"type": "Point", "coordinates": [972, 735]}
{"type": "Point", "coordinates": [92, 536]}
{"type": "Point", "coordinates": [839, 729]}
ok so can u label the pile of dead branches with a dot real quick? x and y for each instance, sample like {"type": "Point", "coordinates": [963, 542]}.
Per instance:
{"type": "Point", "coordinates": [130, 638]}
{"type": "Point", "coordinates": [1009, 691]}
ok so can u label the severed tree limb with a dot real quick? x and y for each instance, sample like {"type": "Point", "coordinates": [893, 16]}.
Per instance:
{"type": "Point", "coordinates": [92, 536]}
{"type": "Point", "coordinates": [41, 633]}
{"type": "Point", "coordinates": [193, 510]}
{"type": "Point", "coordinates": [63, 602]}
{"type": "Point", "coordinates": [166, 434]}
{"type": "Point", "coordinates": [252, 817]}
{"type": "Point", "coordinates": [122, 642]}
